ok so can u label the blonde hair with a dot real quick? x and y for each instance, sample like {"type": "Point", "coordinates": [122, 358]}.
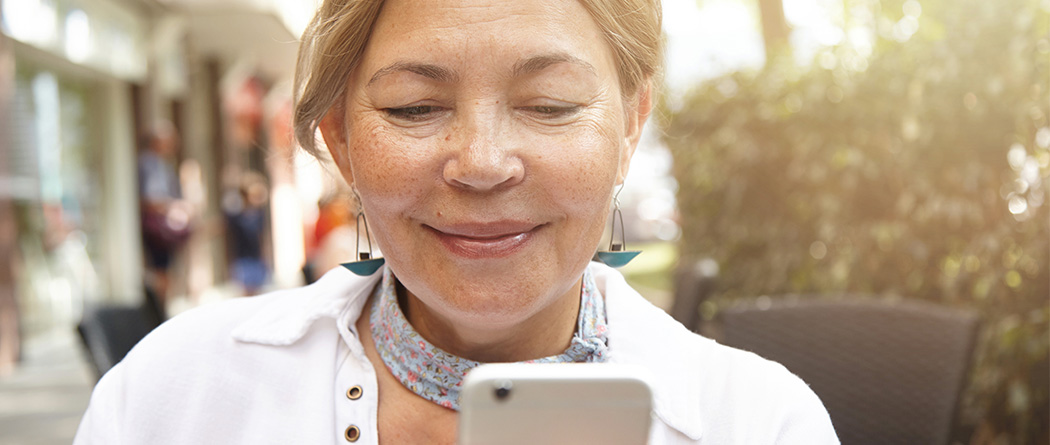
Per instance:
{"type": "Point", "coordinates": [335, 39]}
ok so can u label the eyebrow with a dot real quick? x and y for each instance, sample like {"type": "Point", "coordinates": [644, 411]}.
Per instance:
{"type": "Point", "coordinates": [445, 75]}
{"type": "Point", "coordinates": [541, 62]}
{"type": "Point", "coordinates": [434, 72]}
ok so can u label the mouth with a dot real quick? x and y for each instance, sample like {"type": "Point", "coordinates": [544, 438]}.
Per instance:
{"type": "Point", "coordinates": [486, 240]}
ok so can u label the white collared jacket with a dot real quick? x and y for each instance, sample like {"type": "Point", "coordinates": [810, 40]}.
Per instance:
{"type": "Point", "coordinates": [276, 369]}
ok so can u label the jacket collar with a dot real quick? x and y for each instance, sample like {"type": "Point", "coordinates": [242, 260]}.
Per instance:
{"type": "Point", "coordinates": [339, 294]}
{"type": "Point", "coordinates": [634, 336]}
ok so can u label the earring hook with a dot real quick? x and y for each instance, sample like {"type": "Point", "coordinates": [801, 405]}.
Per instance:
{"type": "Point", "coordinates": [617, 214]}
{"type": "Point", "coordinates": [365, 264]}
{"type": "Point", "coordinates": [617, 255]}
{"type": "Point", "coordinates": [362, 221]}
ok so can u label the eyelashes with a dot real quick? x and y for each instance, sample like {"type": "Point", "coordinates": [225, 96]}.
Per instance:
{"type": "Point", "coordinates": [553, 111]}
{"type": "Point", "coordinates": [417, 113]}
{"type": "Point", "coordinates": [423, 113]}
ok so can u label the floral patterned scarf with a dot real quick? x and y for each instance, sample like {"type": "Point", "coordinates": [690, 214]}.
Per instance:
{"type": "Point", "coordinates": [437, 375]}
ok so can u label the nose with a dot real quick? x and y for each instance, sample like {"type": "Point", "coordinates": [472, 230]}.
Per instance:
{"type": "Point", "coordinates": [483, 159]}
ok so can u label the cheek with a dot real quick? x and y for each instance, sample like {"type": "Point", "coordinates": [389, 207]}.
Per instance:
{"type": "Point", "coordinates": [581, 178]}
{"type": "Point", "coordinates": [386, 171]}
{"type": "Point", "coordinates": [585, 165]}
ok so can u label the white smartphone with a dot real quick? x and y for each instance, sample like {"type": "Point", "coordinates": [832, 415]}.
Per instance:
{"type": "Point", "coordinates": [574, 403]}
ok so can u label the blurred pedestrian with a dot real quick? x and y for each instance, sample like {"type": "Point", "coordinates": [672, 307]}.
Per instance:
{"type": "Point", "coordinates": [246, 223]}
{"type": "Point", "coordinates": [165, 216]}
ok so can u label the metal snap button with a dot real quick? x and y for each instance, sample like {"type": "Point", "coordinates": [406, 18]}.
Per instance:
{"type": "Point", "coordinates": [354, 392]}
{"type": "Point", "coordinates": [352, 433]}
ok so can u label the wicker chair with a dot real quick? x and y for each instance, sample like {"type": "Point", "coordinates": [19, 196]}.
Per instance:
{"type": "Point", "coordinates": [888, 372]}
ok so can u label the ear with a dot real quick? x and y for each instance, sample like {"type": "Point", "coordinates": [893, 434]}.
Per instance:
{"type": "Point", "coordinates": [638, 108]}
{"type": "Point", "coordinates": [334, 132]}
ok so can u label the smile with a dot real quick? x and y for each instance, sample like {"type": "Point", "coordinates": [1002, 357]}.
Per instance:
{"type": "Point", "coordinates": [486, 240]}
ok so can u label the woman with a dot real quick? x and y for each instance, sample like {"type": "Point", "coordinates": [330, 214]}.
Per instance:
{"type": "Point", "coordinates": [484, 140]}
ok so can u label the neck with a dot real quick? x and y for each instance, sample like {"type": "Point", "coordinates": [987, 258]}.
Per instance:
{"type": "Point", "coordinates": [545, 333]}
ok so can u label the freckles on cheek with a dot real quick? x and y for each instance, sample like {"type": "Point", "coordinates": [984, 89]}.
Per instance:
{"type": "Point", "coordinates": [588, 168]}
{"type": "Point", "coordinates": [377, 163]}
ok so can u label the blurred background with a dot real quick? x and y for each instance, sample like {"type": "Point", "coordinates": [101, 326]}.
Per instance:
{"type": "Point", "coordinates": [830, 152]}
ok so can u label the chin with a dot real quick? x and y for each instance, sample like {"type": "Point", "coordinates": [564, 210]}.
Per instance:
{"type": "Point", "coordinates": [497, 296]}
{"type": "Point", "coordinates": [484, 298]}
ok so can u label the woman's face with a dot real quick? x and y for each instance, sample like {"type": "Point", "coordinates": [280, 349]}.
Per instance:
{"type": "Point", "coordinates": [485, 140]}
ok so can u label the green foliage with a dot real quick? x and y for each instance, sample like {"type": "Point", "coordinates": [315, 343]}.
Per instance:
{"type": "Point", "coordinates": [918, 171]}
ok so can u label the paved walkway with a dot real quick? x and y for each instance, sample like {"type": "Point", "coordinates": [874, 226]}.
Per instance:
{"type": "Point", "coordinates": [42, 402]}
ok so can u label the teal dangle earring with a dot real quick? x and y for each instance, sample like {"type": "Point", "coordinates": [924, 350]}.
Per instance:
{"type": "Point", "coordinates": [617, 255]}
{"type": "Point", "coordinates": [365, 264]}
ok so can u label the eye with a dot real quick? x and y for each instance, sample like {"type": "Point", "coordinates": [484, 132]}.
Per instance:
{"type": "Point", "coordinates": [415, 113]}
{"type": "Point", "coordinates": [555, 113]}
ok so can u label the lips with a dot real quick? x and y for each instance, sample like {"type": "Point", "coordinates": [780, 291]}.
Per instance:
{"type": "Point", "coordinates": [486, 240]}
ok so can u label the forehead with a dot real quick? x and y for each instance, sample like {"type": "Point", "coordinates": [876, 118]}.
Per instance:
{"type": "Point", "coordinates": [472, 33]}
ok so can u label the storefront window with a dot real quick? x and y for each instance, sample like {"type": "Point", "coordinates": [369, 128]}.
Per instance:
{"type": "Point", "coordinates": [59, 204]}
